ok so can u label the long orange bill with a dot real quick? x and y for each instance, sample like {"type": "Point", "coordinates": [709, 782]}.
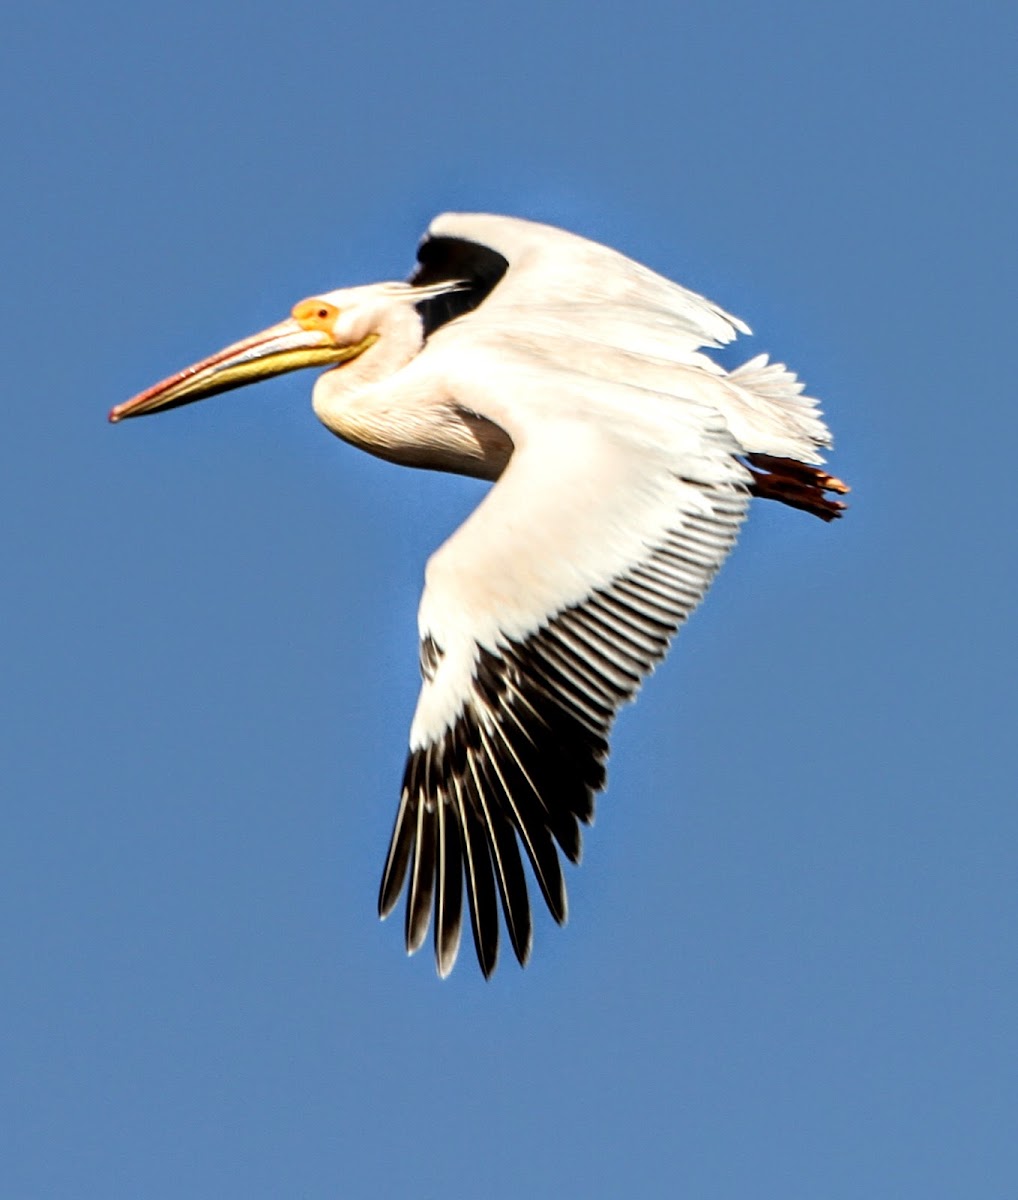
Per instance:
{"type": "Point", "coordinates": [287, 346]}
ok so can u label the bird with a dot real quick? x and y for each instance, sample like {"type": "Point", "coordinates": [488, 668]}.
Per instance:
{"type": "Point", "coordinates": [623, 458]}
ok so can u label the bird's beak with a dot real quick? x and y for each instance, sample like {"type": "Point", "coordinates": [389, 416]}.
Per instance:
{"type": "Point", "coordinates": [287, 346]}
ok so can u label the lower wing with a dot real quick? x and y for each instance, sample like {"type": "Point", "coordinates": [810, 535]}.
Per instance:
{"type": "Point", "coordinates": [540, 617]}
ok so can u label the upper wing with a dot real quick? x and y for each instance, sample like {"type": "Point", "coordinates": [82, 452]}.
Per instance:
{"type": "Point", "coordinates": [540, 617]}
{"type": "Point", "coordinates": [529, 272]}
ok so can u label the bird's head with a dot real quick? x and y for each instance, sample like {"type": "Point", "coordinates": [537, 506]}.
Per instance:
{"type": "Point", "coordinates": [322, 331]}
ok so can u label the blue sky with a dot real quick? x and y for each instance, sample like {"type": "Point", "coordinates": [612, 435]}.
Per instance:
{"type": "Point", "coordinates": [791, 967]}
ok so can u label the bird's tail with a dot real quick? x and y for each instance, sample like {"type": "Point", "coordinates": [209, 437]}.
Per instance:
{"type": "Point", "coordinates": [784, 432]}
{"type": "Point", "coordinates": [789, 422]}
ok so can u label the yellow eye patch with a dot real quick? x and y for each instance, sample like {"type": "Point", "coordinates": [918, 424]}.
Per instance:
{"type": "Point", "coordinates": [315, 314]}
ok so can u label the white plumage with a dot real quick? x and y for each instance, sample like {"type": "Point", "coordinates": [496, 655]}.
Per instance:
{"type": "Point", "coordinates": [625, 459]}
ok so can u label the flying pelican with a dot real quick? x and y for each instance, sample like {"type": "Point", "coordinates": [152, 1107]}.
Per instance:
{"type": "Point", "coordinates": [625, 460]}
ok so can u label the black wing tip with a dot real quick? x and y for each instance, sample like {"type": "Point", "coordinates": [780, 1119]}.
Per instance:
{"type": "Point", "coordinates": [487, 968]}
{"type": "Point", "coordinates": [523, 946]}
{"type": "Point", "coordinates": [444, 963]}
{"type": "Point", "coordinates": [514, 776]}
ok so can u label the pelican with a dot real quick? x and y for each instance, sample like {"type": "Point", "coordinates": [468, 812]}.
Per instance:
{"type": "Point", "coordinates": [625, 460]}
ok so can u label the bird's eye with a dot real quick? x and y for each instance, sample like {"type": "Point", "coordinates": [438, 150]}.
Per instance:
{"type": "Point", "coordinates": [315, 313]}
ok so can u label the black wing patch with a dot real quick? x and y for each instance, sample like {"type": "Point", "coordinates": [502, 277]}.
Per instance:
{"type": "Point", "coordinates": [447, 260]}
{"type": "Point", "coordinates": [526, 756]}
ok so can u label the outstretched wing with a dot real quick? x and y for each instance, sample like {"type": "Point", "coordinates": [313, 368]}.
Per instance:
{"type": "Point", "coordinates": [526, 273]}
{"type": "Point", "coordinates": [540, 618]}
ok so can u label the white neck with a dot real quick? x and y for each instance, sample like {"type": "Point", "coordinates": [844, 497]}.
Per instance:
{"type": "Point", "coordinates": [400, 337]}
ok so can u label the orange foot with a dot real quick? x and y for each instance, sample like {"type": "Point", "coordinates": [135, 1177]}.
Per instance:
{"type": "Point", "coordinates": [796, 484]}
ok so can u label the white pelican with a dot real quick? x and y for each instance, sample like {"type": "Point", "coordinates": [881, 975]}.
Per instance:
{"type": "Point", "coordinates": [625, 461]}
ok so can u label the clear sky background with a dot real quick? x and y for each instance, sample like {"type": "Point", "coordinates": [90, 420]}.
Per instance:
{"type": "Point", "coordinates": [791, 967]}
